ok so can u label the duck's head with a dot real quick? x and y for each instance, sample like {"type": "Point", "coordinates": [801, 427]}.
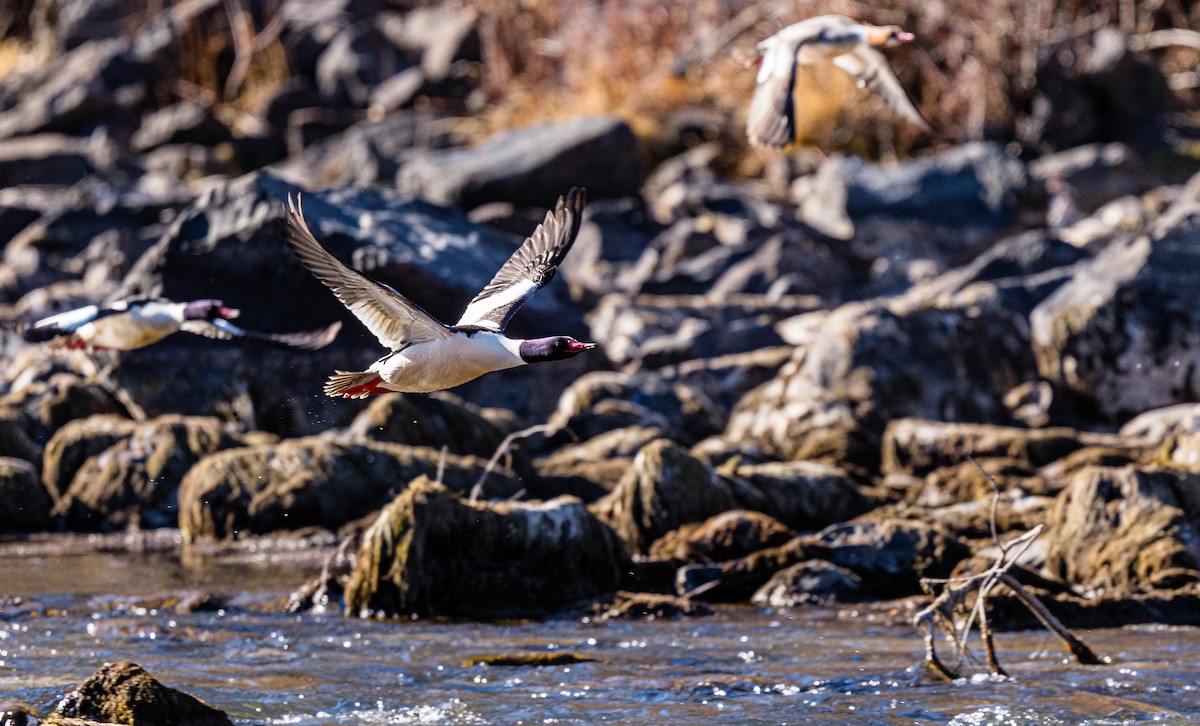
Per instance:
{"type": "Point", "coordinates": [208, 310]}
{"type": "Point", "coordinates": [554, 348]}
{"type": "Point", "coordinates": [886, 36]}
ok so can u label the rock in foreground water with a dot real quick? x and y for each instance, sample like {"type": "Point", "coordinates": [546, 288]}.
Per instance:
{"type": "Point", "coordinates": [431, 552]}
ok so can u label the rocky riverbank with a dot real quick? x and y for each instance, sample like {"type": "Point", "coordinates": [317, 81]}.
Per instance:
{"type": "Point", "coordinates": [803, 391]}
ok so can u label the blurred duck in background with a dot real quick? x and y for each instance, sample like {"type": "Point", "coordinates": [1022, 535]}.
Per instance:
{"type": "Point", "coordinates": [132, 324]}
{"type": "Point", "coordinates": [849, 44]}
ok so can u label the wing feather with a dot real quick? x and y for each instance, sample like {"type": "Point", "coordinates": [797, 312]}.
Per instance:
{"type": "Point", "coordinates": [529, 269]}
{"type": "Point", "coordinates": [873, 73]}
{"type": "Point", "coordinates": [221, 329]}
{"type": "Point", "coordinates": [395, 320]}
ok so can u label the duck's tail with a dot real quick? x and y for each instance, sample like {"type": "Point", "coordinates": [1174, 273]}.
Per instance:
{"type": "Point", "coordinates": [354, 385]}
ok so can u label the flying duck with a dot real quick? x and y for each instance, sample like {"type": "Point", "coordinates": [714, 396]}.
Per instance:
{"type": "Point", "coordinates": [427, 355]}
{"type": "Point", "coordinates": [849, 44]}
{"type": "Point", "coordinates": [131, 324]}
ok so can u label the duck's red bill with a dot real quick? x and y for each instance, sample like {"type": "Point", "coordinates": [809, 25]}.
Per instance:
{"type": "Point", "coordinates": [574, 346]}
{"type": "Point", "coordinates": [229, 313]}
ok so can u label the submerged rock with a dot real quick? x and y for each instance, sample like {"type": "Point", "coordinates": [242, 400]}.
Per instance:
{"type": "Point", "coordinates": [808, 583]}
{"type": "Point", "coordinates": [124, 693]}
{"type": "Point", "coordinates": [648, 606]}
{"type": "Point", "coordinates": [431, 552]}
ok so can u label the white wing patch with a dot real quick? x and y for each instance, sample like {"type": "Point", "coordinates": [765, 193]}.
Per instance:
{"type": "Point", "coordinates": [476, 313]}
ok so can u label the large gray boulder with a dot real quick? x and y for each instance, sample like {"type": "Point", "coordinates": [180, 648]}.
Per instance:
{"type": "Point", "coordinates": [531, 166]}
{"type": "Point", "coordinates": [1124, 333]}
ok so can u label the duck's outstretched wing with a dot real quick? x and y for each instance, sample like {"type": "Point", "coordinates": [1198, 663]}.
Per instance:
{"type": "Point", "coordinates": [771, 120]}
{"type": "Point", "coordinates": [871, 70]}
{"type": "Point", "coordinates": [394, 319]}
{"type": "Point", "coordinates": [529, 269]}
{"type": "Point", "coordinates": [222, 329]}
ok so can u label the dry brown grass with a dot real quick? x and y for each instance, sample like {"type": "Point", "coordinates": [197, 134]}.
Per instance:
{"type": "Point", "coordinates": [971, 71]}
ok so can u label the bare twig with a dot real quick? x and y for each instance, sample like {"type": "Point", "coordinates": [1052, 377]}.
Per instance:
{"type": "Point", "coordinates": [441, 470]}
{"type": "Point", "coordinates": [955, 589]}
{"type": "Point", "coordinates": [501, 450]}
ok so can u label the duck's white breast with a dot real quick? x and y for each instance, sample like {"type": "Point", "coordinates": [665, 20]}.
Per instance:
{"type": "Point", "coordinates": [446, 363]}
{"type": "Point", "coordinates": [126, 331]}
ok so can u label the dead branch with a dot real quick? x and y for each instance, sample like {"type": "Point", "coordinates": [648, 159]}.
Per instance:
{"type": "Point", "coordinates": [1076, 647]}
{"type": "Point", "coordinates": [501, 450]}
{"type": "Point", "coordinates": [945, 604]}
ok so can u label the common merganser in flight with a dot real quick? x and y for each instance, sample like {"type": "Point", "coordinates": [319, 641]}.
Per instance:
{"type": "Point", "coordinates": [849, 44]}
{"type": "Point", "coordinates": [131, 324]}
{"type": "Point", "coordinates": [426, 354]}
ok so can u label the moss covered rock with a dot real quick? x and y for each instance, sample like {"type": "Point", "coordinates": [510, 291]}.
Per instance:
{"type": "Point", "coordinates": [133, 481]}
{"type": "Point", "coordinates": [432, 552]}
{"type": "Point", "coordinates": [124, 693]}
{"type": "Point", "coordinates": [312, 481]}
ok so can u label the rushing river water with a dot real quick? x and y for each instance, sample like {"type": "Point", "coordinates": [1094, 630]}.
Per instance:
{"type": "Point", "coordinates": [65, 615]}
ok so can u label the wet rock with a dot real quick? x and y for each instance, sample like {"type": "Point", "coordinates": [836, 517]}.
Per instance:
{"type": "Point", "coordinates": [804, 495]}
{"type": "Point", "coordinates": [368, 153]}
{"type": "Point", "coordinates": [44, 406]}
{"type": "Point", "coordinates": [649, 331]}
{"type": "Point", "coordinates": [604, 401]}
{"type": "Point", "coordinates": [889, 557]}
{"type": "Point", "coordinates": [971, 481]}
{"type": "Point", "coordinates": [109, 80]}
{"type": "Point", "coordinates": [810, 583]}
{"type": "Point", "coordinates": [1124, 531]}
{"type": "Point", "coordinates": [75, 443]}
{"type": "Point", "coordinates": [970, 183]}
{"type": "Point", "coordinates": [24, 502]}
{"type": "Point", "coordinates": [188, 122]}
{"type": "Point", "coordinates": [592, 468]}
{"type": "Point", "coordinates": [435, 420]}
{"type": "Point", "coordinates": [1102, 335]}
{"type": "Point", "coordinates": [1164, 607]}
{"type": "Point", "coordinates": [309, 482]}
{"type": "Point", "coordinates": [133, 482]}
{"type": "Point", "coordinates": [125, 693]}
{"type": "Point", "coordinates": [665, 488]}
{"type": "Point", "coordinates": [918, 447]}
{"type": "Point", "coordinates": [1159, 424]}
{"type": "Point", "coordinates": [17, 714]}
{"type": "Point", "coordinates": [433, 553]}
{"type": "Point", "coordinates": [356, 60]}
{"type": "Point", "coordinates": [531, 166]}
{"type": "Point", "coordinates": [864, 366]}
{"type": "Point", "coordinates": [648, 606]}
{"type": "Point", "coordinates": [53, 159]}
{"type": "Point", "coordinates": [526, 659]}
{"type": "Point", "coordinates": [726, 536]}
